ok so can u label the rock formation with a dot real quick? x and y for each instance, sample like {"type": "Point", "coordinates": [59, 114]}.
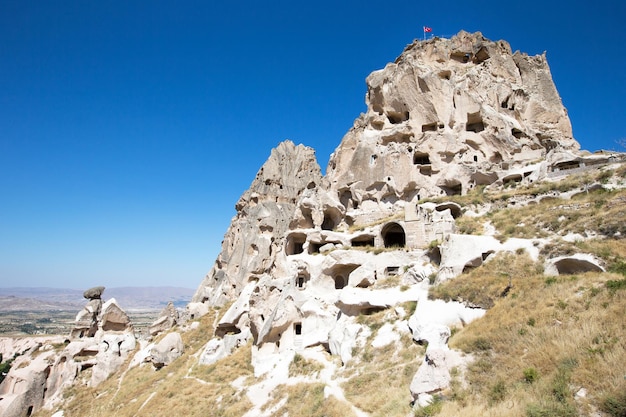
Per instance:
{"type": "Point", "coordinates": [449, 115]}
{"type": "Point", "coordinates": [167, 319]}
{"type": "Point", "coordinates": [305, 255]}
{"type": "Point", "coordinates": [263, 214]}
{"type": "Point", "coordinates": [101, 340]}
{"type": "Point", "coordinates": [86, 323]}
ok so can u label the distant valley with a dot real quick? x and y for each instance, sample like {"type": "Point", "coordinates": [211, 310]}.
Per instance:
{"type": "Point", "coordinates": [129, 298]}
{"type": "Point", "coordinates": [53, 310]}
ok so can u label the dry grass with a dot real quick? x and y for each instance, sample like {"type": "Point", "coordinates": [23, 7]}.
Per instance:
{"type": "Point", "coordinates": [307, 400]}
{"type": "Point", "coordinates": [560, 217]}
{"type": "Point", "coordinates": [540, 344]}
{"type": "Point", "coordinates": [485, 285]}
{"type": "Point", "coordinates": [378, 379]}
{"type": "Point", "coordinates": [303, 366]}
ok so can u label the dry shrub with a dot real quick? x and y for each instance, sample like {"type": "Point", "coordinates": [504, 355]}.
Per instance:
{"type": "Point", "coordinates": [303, 366]}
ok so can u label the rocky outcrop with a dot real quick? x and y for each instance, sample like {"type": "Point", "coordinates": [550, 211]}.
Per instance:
{"type": "Point", "coordinates": [167, 350]}
{"type": "Point", "coordinates": [101, 340]}
{"type": "Point", "coordinates": [446, 116]}
{"type": "Point", "coordinates": [256, 233]}
{"type": "Point", "coordinates": [307, 257]}
{"type": "Point", "coordinates": [86, 323]}
{"type": "Point", "coordinates": [167, 319]}
{"type": "Point", "coordinates": [578, 263]}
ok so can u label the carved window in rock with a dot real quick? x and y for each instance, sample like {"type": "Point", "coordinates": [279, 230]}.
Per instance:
{"type": "Point", "coordinates": [393, 235]}
{"type": "Point", "coordinates": [328, 223]}
{"type": "Point", "coordinates": [363, 241]}
{"type": "Point", "coordinates": [474, 123]}
{"type": "Point", "coordinates": [300, 282]}
{"type": "Point", "coordinates": [297, 328]}
{"type": "Point", "coordinates": [340, 282]}
{"type": "Point", "coordinates": [314, 247]}
{"type": "Point", "coordinates": [295, 244]}
{"type": "Point", "coordinates": [392, 271]}
{"type": "Point", "coordinates": [421, 158]}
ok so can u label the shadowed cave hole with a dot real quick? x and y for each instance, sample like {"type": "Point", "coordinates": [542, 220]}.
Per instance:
{"type": "Point", "coordinates": [393, 235]}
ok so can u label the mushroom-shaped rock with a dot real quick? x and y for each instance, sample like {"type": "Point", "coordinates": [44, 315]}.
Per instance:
{"type": "Point", "coordinates": [94, 293]}
{"type": "Point", "coordinates": [167, 350]}
{"type": "Point", "coordinates": [574, 264]}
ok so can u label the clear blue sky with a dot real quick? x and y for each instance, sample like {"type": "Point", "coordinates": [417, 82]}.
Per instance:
{"type": "Point", "coordinates": [129, 129]}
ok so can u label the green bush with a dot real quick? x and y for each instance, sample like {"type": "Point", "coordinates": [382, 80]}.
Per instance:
{"type": "Point", "coordinates": [614, 404]}
{"type": "Point", "coordinates": [4, 369]}
{"type": "Point", "coordinates": [618, 268]}
{"type": "Point", "coordinates": [497, 392]}
{"type": "Point", "coordinates": [431, 409]}
{"type": "Point", "coordinates": [530, 375]}
{"type": "Point", "coordinates": [614, 285]}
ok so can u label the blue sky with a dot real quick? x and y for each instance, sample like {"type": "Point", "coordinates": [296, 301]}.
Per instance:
{"type": "Point", "coordinates": [129, 129]}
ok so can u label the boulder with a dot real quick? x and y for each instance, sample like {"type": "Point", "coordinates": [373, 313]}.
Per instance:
{"type": "Point", "coordinates": [94, 293]}
{"type": "Point", "coordinates": [167, 319]}
{"type": "Point", "coordinates": [167, 350]}
{"type": "Point", "coordinates": [114, 318]}
{"type": "Point", "coordinates": [113, 350]}
{"type": "Point", "coordinates": [433, 374]}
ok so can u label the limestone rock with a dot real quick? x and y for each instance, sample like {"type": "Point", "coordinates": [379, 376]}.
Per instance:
{"type": "Point", "coordinates": [264, 212]}
{"type": "Point", "coordinates": [463, 252]}
{"type": "Point", "coordinates": [86, 322]}
{"type": "Point", "coordinates": [447, 115]}
{"type": "Point", "coordinates": [113, 349]}
{"type": "Point", "coordinates": [113, 318]}
{"type": "Point", "coordinates": [24, 388]}
{"type": "Point", "coordinates": [167, 350]}
{"type": "Point", "coordinates": [433, 374]}
{"type": "Point", "coordinates": [218, 348]}
{"type": "Point", "coordinates": [167, 319]}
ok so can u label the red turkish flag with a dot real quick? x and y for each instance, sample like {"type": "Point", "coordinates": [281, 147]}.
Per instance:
{"type": "Point", "coordinates": [427, 29]}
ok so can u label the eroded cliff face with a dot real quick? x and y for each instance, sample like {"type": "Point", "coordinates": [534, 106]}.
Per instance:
{"type": "Point", "coordinates": [256, 233]}
{"type": "Point", "coordinates": [449, 115]}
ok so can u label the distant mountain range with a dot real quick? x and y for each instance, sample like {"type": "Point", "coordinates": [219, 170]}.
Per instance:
{"type": "Point", "coordinates": [129, 298]}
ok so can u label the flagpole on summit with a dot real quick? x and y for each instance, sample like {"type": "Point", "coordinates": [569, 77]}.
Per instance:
{"type": "Point", "coordinates": [427, 29]}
